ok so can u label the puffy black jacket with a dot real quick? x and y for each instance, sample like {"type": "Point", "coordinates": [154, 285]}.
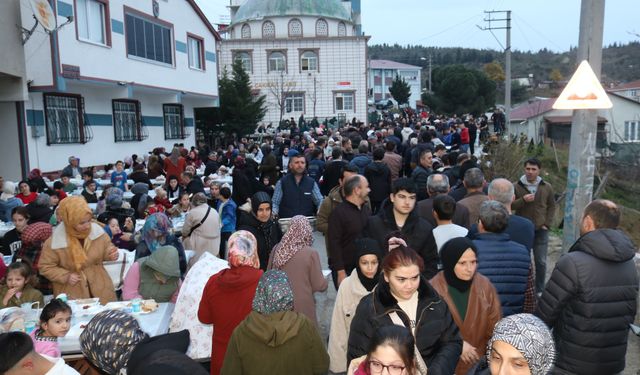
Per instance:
{"type": "Point", "coordinates": [589, 302]}
{"type": "Point", "coordinates": [267, 234]}
{"type": "Point", "coordinates": [438, 338]}
{"type": "Point", "coordinates": [416, 231]}
{"type": "Point", "coordinates": [379, 177]}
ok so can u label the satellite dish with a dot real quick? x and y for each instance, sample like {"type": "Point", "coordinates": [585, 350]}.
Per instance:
{"type": "Point", "coordinates": [44, 14]}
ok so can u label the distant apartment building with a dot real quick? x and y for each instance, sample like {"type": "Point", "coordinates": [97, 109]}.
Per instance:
{"type": "Point", "coordinates": [383, 72]}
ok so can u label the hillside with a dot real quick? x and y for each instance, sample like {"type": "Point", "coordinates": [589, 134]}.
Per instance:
{"type": "Point", "coordinates": [621, 63]}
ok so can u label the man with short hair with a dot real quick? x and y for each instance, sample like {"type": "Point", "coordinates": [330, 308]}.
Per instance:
{"type": "Point", "coordinates": [444, 208]}
{"type": "Point", "coordinates": [346, 223]}
{"type": "Point", "coordinates": [535, 201]}
{"type": "Point", "coordinates": [212, 165]}
{"type": "Point", "coordinates": [89, 191]}
{"type": "Point", "coordinates": [397, 214]}
{"type": "Point", "coordinates": [591, 297]}
{"type": "Point", "coordinates": [332, 171]}
{"type": "Point", "coordinates": [19, 357]}
{"type": "Point", "coordinates": [379, 177]}
{"type": "Point", "coordinates": [422, 172]}
{"type": "Point", "coordinates": [193, 184]}
{"type": "Point", "coordinates": [506, 263]}
{"type": "Point", "coordinates": [392, 160]}
{"type": "Point", "coordinates": [302, 193]}
{"type": "Point", "coordinates": [438, 184]}
{"type": "Point", "coordinates": [474, 183]}
{"type": "Point", "coordinates": [73, 169]}
{"type": "Point", "coordinates": [362, 159]}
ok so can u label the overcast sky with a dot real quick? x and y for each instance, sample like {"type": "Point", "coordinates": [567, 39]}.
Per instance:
{"type": "Point", "coordinates": [536, 24]}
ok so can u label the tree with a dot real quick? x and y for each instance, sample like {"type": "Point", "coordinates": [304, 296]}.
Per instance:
{"type": "Point", "coordinates": [400, 90]}
{"type": "Point", "coordinates": [556, 76]}
{"type": "Point", "coordinates": [457, 89]}
{"type": "Point", "coordinates": [494, 71]}
{"type": "Point", "coordinates": [241, 111]}
{"type": "Point", "coordinates": [280, 89]}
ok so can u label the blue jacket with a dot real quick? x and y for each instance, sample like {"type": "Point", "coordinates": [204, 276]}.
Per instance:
{"type": "Point", "coordinates": [361, 161]}
{"type": "Point", "coordinates": [506, 263]}
{"type": "Point", "coordinates": [7, 206]}
{"type": "Point", "coordinates": [316, 169]}
{"type": "Point", "coordinates": [228, 215]}
{"type": "Point", "coordinates": [520, 229]}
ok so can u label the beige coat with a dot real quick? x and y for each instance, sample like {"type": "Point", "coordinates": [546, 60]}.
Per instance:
{"type": "Point", "coordinates": [56, 264]}
{"type": "Point", "coordinates": [349, 295]}
{"type": "Point", "coordinates": [305, 276]}
{"type": "Point", "coordinates": [204, 238]}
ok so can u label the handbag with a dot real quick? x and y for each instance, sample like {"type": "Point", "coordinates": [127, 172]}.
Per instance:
{"type": "Point", "coordinates": [421, 365]}
{"type": "Point", "coordinates": [201, 221]}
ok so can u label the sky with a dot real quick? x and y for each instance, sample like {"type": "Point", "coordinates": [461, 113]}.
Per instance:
{"type": "Point", "coordinates": [536, 24]}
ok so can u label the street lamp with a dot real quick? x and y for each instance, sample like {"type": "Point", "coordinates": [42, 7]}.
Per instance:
{"type": "Point", "coordinates": [425, 59]}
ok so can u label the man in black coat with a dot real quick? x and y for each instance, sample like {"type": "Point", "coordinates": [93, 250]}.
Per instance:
{"type": "Point", "coordinates": [592, 296]}
{"type": "Point", "coordinates": [439, 184]}
{"type": "Point", "coordinates": [397, 214]}
{"type": "Point", "coordinates": [193, 184]}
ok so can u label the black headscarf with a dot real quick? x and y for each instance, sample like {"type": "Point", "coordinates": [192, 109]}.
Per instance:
{"type": "Point", "coordinates": [451, 252]}
{"type": "Point", "coordinates": [368, 246]}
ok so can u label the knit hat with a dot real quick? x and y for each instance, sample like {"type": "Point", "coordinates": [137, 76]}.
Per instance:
{"type": "Point", "coordinates": [450, 253]}
{"type": "Point", "coordinates": [531, 337]}
{"type": "Point", "coordinates": [293, 153]}
{"type": "Point", "coordinates": [109, 338]}
{"type": "Point", "coordinates": [258, 199]}
{"type": "Point", "coordinates": [273, 293]}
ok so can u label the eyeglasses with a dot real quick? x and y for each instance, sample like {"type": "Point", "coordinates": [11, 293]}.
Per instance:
{"type": "Point", "coordinates": [377, 368]}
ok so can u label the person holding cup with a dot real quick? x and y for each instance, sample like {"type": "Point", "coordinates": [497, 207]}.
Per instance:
{"type": "Point", "coordinates": [18, 286]}
{"type": "Point", "coordinates": [72, 258]}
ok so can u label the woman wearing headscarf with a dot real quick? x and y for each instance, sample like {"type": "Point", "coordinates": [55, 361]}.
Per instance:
{"type": "Point", "coordinates": [140, 192]}
{"type": "Point", "coordinates": [227, 297]}
{"type": "Point", "coordinates": [269, 165]}
{"type": "Point", "coordinates": [72, 258]}
{"type": "Point", "coordinates": [36, 181]}
{"type": "Point", "coordinates": [295, 256]}
{"type": "Point", "coordinates": [113, 205]}
{"type": "Point", "coordinates": [33, 237]}
{"type": "Point", "coordinates": [262, 225]}
{"type": "Point", "coordinates": [273, 339]}
{"type": "Point", "coordinates": [8, 201]}
{"type": "Point", "coordinates": [472, 299]}
{"type": "Point", "coordinates": [156, 232]}
{"type": "Point", "coordinates": [154, 167]}
{"type": "Point", "coordinates": [360, 283]}
{"type": "Point", "coordinates": [201, 230]}
{"type": "Point", "coordinates": [39, 210]}
{"type": "Point", "coordinates": [174, 164]}
{"type": "Point", "coordinates": [156, 276]}
{"type": "Point", "coordinates": [519, 341]}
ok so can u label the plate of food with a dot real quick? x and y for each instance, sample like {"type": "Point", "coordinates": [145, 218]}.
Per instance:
{"type": "Point", "coordinates": [147, 306]}
{"type": "Point", "coordinates": [85, 306]}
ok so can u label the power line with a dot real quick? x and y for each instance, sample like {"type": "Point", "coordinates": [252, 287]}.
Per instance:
{"type": "Point", "coordinates": [520, 19]}
{"type": "Point", "coordinates": [450, 28]}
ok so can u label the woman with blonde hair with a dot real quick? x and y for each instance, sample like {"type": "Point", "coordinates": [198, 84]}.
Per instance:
{"type": "Point", "coordinates": [72, 258]}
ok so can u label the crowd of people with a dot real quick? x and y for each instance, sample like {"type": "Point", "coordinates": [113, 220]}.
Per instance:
{"type": "Point", "coordinates": [436, 269]}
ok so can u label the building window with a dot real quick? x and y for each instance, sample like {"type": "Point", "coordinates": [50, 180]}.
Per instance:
{"type": "Point", "coordinates": [322, 28]}
{"type": "Point", "coordinates": [309, 61]}
{"type": "Point", "coordinates": [295, 27]}
{"type": "Point", "coordinates": [245, 59]}
{"type": "Point", "coordinates": [342, 29]}
{"type": "Point", "coordinates": [277, 62]}
{"type": "Point", "coordinates": [632, 131]}
{"type": "Point", "coordinates": [64, 119]}
{"type": "Point", "coordinates": [148, 40]}
{"type": "Point", "coordinates": [173, 121]}
{"type": "Point", "coordinates": [268, 30]}
{"type": "Point", "coordinates": [92, 21]}
{"type": "Point", "coordinates": [127, 120]}
{"type": "Point", "coordinates": [195, 49]}
{"type": "Point", "coordinates": [294, 102]}
{"type": "Point", "coordinates": [344, 101]}
{"type": "Point", "coordinates": [245, 32]}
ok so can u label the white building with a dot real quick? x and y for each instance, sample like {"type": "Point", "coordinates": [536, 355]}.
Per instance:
{"type": "Point", "coordinates": [122, 78]}
{"type": "Point", "coordinates": [310, 52]}
{"type": "Point", "coordinates": [383, 72]}
{"type": "Point", "coordinates": [630, 90]}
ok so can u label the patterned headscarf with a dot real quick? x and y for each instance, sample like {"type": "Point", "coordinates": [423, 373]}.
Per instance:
{"type": "Point", "coordinates": [243, 250]}
{"type": "Point", "coordinates": [531, 337]}
{"type": "Point", "coordinates": [156, 226]}
{"type": "Point", "coordinates": [36, 234]}
{"type": "Point", "coordinates": [114, 198]}
{"type": "Point", "coordinates": [72, 211]}
{"type": "Point", "coordinates": [298, 236]}
{"type": "Point", "coordinates": [273, 293]}
{"type": "Point", "coordinates": [109, 338]}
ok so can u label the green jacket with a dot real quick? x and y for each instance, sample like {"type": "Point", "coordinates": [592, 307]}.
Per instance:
{"type": "Point", "coordinates": [542, 210]}
{"type": "Point", "coordinates": [280, 343]}
{"type": "Point", "coordinates": [163, 261]}
{"type": "Point", "coordinates": [29, 294]}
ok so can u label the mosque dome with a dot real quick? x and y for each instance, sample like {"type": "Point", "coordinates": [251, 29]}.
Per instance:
{"type": "Point", "coordinates": [259, 9]}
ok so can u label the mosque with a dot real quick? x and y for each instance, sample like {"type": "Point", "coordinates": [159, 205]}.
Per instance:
{"type": "Point", "coordinates": [308, 57]}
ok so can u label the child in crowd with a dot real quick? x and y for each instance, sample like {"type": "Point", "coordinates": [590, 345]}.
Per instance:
{"type": "Point", "coordinates": [89, 192]}
{"type": "Point", "coordinates": [58, 186]}
{"type": "Point", "coordinates": [120, 239]}
{"type": "Point", "coordinates": [153, 208]}
{"type": "Point", "coordinates": [162, 198]}
{"type": "Point", "coordinates": [67, 185]}
{"type": "Point", "coordinates": [18, 286]}
{"type": "Point", "coordinates": [227, 210]}
{"type": "Point", "coordinates": [55, 322]}
{"type": "Point", "coordinates": [119, 177]}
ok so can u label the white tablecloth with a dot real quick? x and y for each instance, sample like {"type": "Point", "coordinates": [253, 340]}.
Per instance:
{"type": "Point", "coordinates": [154, 324]}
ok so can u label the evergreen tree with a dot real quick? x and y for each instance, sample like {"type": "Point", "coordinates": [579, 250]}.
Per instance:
{"type": "Point", "coordinates": [240, 109]}
{"type": "Point", "coordinates": [400, 90]}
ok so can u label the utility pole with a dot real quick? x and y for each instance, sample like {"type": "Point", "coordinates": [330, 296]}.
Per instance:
{"type": "Point", "coordinates": [584, 126]}
{"type": "Point", "coordinates": [507, 57]}
{"type": "Point", "coordinates": [429, 73]}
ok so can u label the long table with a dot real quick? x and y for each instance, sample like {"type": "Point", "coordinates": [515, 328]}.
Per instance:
{"type": "Point", "coordinates": [154, 324]}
